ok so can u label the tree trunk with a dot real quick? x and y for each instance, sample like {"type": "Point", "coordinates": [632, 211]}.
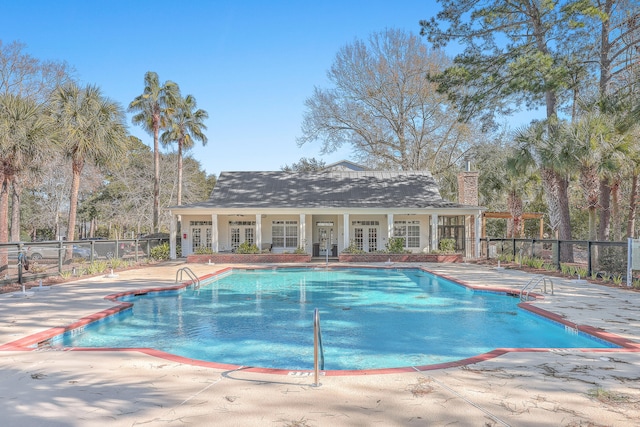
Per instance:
{"type": "Point", "coordinates": [156, 177]}
{"type": "Point", "coordinates": [179, 172]}
{"type": "Point", "coordinates": [633, 201]}
{"type": "Point", "coordinates": [73, 205]}
{"type": "Point", "coordinates": [564, 231]}
{"type": "Point", "coordinates": [551, 196]}
{"type": "Point", "coordinates": [589, 183]}
{"type": "Point", "coordinates": [4, 223]}
{"type": "Point", "coordinates": [514, 201]}
{"type": "Point", "coordinates": [605, 213]}
{"type": "Point", "coordinates": [15, 210]}
{"type": "Point", "coordinates": [616, 223]}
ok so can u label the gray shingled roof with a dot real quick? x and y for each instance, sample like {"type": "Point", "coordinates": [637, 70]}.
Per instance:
{"type": "Point", "coordinates": [325, 189]}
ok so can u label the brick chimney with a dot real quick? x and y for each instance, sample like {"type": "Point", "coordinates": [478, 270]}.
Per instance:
{"type": "Point", "coordinates": [468, 187]}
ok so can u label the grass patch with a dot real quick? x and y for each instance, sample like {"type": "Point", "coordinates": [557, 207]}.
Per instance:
{"type": "Point", "coordinates": [422, 388]}
{"type": "Point", "coordinates": [606, 396]}
{"type": "Point", "coordinates": [296, 423]}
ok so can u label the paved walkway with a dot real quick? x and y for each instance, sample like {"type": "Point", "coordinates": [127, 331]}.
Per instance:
{"type": "Point", "coordinates": [98, 388]}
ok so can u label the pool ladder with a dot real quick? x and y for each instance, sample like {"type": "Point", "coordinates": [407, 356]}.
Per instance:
{"type": "Point", "coordinates": [191, 274]}
{"type": "Point", "coordinates": [531, 285]}
{"type": "Point", "coordinates": [318, 349]}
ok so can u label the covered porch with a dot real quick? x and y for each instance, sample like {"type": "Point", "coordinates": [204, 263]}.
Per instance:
{"type": "Point", "coordinates": [325, 233]}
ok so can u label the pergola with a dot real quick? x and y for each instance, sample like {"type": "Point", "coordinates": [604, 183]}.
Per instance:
{"type": "Point", "coordinates": [507, 215]}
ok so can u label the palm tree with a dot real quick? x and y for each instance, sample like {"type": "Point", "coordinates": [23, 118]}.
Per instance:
{"type": "Point", "coordinates": [153, 107]}
{"type": "Point", "coordinates": [519, 178]}
{"type": "Point", "coordinates": [596, 151]}
{"type": "Point", "coordinates": [619, 108]}
{"type": "Point", "coordinates": [540, 147]}
{"type": "Point", "coordinates": [186, 125]}
{"type": "Point", "coordinates": [25, 138]}
{"type": "Point", "coordinates": [92, 129]}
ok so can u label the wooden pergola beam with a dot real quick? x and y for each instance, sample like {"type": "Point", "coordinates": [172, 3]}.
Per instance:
{"type": "Point", "coordinates": [506, 215]}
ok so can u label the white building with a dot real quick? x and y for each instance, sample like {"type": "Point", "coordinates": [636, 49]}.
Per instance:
{"type": "Point", "coordinates": [329, 210]}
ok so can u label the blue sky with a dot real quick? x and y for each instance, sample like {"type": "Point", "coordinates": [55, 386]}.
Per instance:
{"type": "Point", "coordinates": [249, 64]}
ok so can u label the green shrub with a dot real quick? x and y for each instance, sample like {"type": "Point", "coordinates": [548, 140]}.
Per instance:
{"type": "Point", "coordinates": [117, 263]}
{"type": "Point", "coordinates": [505, 257]}
{"type": "Point", "coordinates": [247, 248]}
{"type": "Point", "coordinates": [203, 251]}
{"type": "Point", "coordinates": [97, 267]}
{"type": "Point", "coordinates": [533, 262]}
{"type": "Point", "coordinates": [582, 272]}
{"type": "Point", "coordinates": [352, 249]}
{"type": "Point", "coordinates": [160, 252]}
{"type": "Point", "coordinates": [396, 245]}
{"type": "Point", "coordinates": [613, 260]}
{"type": "Point", "coordinates": [447, 246]}
{"type": "Point", "coordinates": [299, 251]}
{"type": "Point", "coordinates": [566, 269]}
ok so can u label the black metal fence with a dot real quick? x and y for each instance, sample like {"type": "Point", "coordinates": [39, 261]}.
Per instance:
{"type": "Point", "coordinates": [592, 257]}
{"type": "Point", "coordinates": [28, 261]}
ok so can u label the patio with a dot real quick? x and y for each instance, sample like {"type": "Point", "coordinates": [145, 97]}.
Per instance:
{"type": "Point", "coordinates": [91, 388]}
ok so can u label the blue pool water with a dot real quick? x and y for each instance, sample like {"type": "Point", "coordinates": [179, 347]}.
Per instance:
{"type": "Point", "coordinates": [370, 319]}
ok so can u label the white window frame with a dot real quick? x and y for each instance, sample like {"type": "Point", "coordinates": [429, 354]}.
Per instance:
{"type": "Point", "coordinates": [284, 234]}
{"type": "Point", "coordinates": [409, 231]}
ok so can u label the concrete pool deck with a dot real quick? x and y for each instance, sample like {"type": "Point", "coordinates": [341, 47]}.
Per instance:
{"type": "Point", "coordinates": [97, 388]}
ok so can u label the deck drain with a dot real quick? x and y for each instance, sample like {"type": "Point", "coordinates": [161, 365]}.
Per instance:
{"type": "Point", "coordinates": [301, 374]}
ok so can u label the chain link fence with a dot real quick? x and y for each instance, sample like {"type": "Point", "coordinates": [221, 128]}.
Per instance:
{"type": "Point", "coordinates": [31, 261]}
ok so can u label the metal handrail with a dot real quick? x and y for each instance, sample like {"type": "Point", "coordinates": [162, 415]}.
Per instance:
{"type": "Point", "coordinates": [531, 284]}
{"type": "Point", "coordinates": [191, 274]}
{"type": "Point", "coordinates": [318, 349]}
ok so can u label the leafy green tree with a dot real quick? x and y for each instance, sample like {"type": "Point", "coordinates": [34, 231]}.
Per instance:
{"type": "Point", "coordinates": [92, 129]}
{"type": "Point", "coordinates": [511, 58]}
{"type": "Point", "coordinates": [305, 165]}
{"type": "Point", "coordinates": [123, 199]}
{"type": "Point", "coordinates": [185, 126]}
{"type": "Point", "coordinates": [613, 52]}
{"type": "Point", "coordinates": [25, 76]}
{"type": "Point", "coordinates": [540, 149]}
{"type": "Point", "coordinates": [596, 150]}
{"type": "Point", "coordinates": [25, 141]}
{"type": "Point", "coordinates": [152, 108]}
{"type": "Point", "coordinates": [624, 156]}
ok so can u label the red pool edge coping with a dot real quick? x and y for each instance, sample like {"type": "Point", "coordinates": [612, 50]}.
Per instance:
{"type": "Point", "coordinates": [39, 340]}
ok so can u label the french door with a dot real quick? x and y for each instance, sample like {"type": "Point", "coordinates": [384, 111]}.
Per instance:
{"type": "Point", "coordinates": [366, 238]}
{"type": "Point", "coordinates": [241, 232]}
{"type": "Point", "coordinates": [200, 235]}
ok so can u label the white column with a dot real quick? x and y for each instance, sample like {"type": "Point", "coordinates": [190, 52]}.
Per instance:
{"type": "Point", "coordinates": [259, 231]}
{"type": "Point", "coordinates": [347, 229]}
{"type": "Point", "coordinates": [172, 236]}
{"type": "Point", "coordinates": [389, 227]}
{"type": "Point", "coordinates": [214, 233]}
{"type": "Point", "coordinates": [434, 231]}
{"type": "Point", "coordinates": [302, 232]}
{"type": "Point", "coordinates": [478, 234]}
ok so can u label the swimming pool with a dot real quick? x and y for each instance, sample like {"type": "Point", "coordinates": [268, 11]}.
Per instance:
{"type": "Point", "coordinates": [371, 319]}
